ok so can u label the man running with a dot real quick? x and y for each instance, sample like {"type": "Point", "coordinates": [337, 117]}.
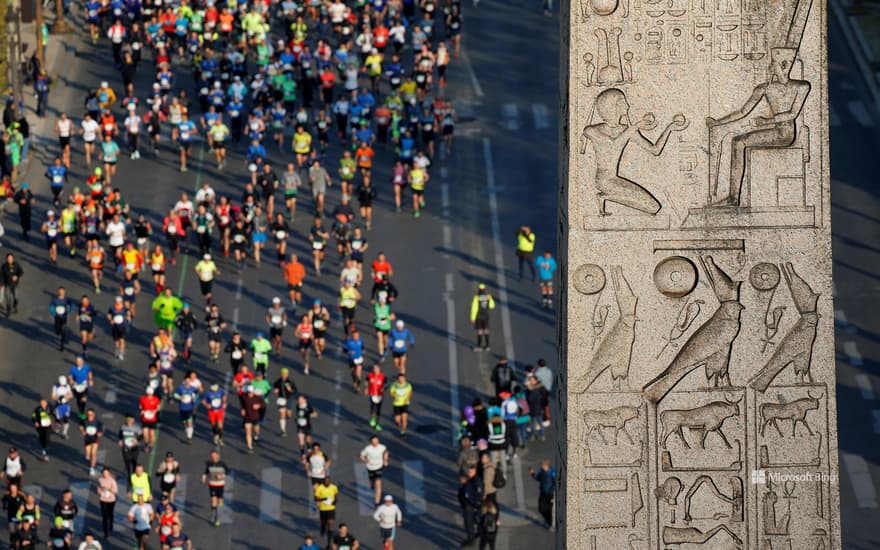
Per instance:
{"type": "Point", "coordinates": [304, 414]}
{"type": "Point", "coordinates": [375, 457]}
{"type": "Point", "coordinates": [376, 393]}
{"type": "Point", "coordinates": [214, 401]}
{"type": "Point", "coordinates": [401, 394]}
{"type": "Point", "coordinates": [215, 476]}
{"type": "Point", "coordinates": [60, 307]}
{"type": "Point", "coordinates": [389, 517]}
{"type": "Point", "coordinates": [42, 419]}
{"type": "Point", "coordinates": [400, 338]}
{"type": "Point", "coordinates": [284, 390]}
{"type": "Point", "coordinates": [276, 318]}
{"type": "Point", "coordinates": [92, 429]}
{"type": "Point", "coordinates": [294, 273]}
{"type": "Point", "coordinates": [325, 498]}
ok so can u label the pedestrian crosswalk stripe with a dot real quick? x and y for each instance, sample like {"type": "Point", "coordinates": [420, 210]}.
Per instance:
{"type": "Point", "coordinates": [510, 116]}
{"type": "Point", "coordinates": [180, 494]}
{"type": "Point", "coordinates": [366, 504]}
{"type": "Point", "coordinates": [270, 495]}
{"type": "Point", "coordinates": [120, 512]}
{"type": "Point", "coordinates": [225, 513]}
{"type": "Point", "coordinates": [414, 487]}
{"type": "Point", "coordinates": [313, 508]}
{"type": "Point", "coordinates": [80, 492]}
{"type": "Point", "coordinates": [541, 116]}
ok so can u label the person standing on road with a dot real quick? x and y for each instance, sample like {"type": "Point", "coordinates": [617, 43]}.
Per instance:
{"type": "Point", "coordinates": [503, 376]}
{"type": "Point", "coordinates": [489, 471]}
{"type": "Point", "coordinates": [375, 456]}
{"type": "Point", "coordinates": [325, 498]}
{"type": "Point", "coordinates": [389, 518]}
{"type": "Point", "coordinates": [489, 523]}
{"type": "Point", "coordinates": [24, 198]}
{"type": "Point", "coordinates": [107, 492]}
{"type": "Point", "coordinates": [470, 497]}
{"type": "Point", "coordinates": [10, 276]}
{"type": "Point", "coordinates": [546, 478]}
{"type": "Point", "coordinates": [525, 250]}
{"type": "Point", "coordinates": [481, 305]}
{"type": "Point", "coordinates": [546, 269]}
{"type": "Point", "coordinates": [215, 476]}
{"type": "Point", "coordinates": [60, 307]}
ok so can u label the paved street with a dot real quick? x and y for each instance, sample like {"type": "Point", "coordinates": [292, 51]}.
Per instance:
{"type": "Point", "coordinates": [502, 175]}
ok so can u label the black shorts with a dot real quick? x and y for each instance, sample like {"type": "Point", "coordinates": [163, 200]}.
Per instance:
{"type": "Point", "coordinates": [319, 334]}
{"type": "Point", "coordinates": [141, 534]}
{"type": "Point", "coordinates": [305, 430]}
{"type": "Point", "coordinates": [184, 145]}
{"type": "Point", "coordinates": [64, 141]}
{"type": "Point", "coordinates": [418, 192]}
{"type": "Point", "coordinates": [386, 533]}
{"type": "Point", "coordinates": [186, 414]}
{"type": "Point", "coordinates": [214, 336]}
{"type": "Point", "coordinates": [149, 425]}
{"type": "Point", "coordinates": [401, 409]}
{"type": "Point", "coordinates": [294, 288]}
{"type": "Point", "coordinates": [219, 145]}
{"type": "Point", "coordinates": [206, 286]}
{"type": "Point", "coordinates": [251, 421]}
{"type": "Point", "coordinates": [327, 515]}
{"type": "Point", "coordinates": [216, 491]}
{"type": "Point", "coordinates": [375, 474]}
{"type": "Point", "coordinates": [305, 344]}
{"type": "Point", "coordinates": [275, 331]}
{"type": "Point", "coordinates": [118, 332]}
{"type": "Point", "coordinates": [398, 354]}
{"type": "Point", "coordinates": [481, 324]}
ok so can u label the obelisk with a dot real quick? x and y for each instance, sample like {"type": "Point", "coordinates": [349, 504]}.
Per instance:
{"type": "Point", "coordinates": [697, 325]}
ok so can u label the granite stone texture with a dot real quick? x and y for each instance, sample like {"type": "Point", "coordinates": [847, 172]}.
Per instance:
{"type": "Point", "coordinates": [698, 393]}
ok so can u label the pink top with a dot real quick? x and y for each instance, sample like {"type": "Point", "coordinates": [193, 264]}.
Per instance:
{"type": "Point", "coordinates": [107, 489]}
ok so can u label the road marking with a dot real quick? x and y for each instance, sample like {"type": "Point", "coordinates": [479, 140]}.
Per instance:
{"type": "Point", "coordinates": [180, 494]}
{"type": "Point", "coordinates": [863, 381]}
{"type": "Point", "coordinates": [444, 196]}
{"type": "Point", "coordinates": [414, 487]}
{"type": "Point", "coordinates": [499, 251]}
{"type": "Point", "coordinates": [447, 236]}
{"type": "Point", "coordinates": [110, 396]}
{"type": "Point", "coordinates": [313, 508]}
{"type": "Point", "coordinates": [510, 116]}
{"type": "Point", "coordinates": [454, 410]}
{"type": "Point", "coordinates": [238, 286]}
{"type": "Point", "coordinates": [876, 414]}
{"type": "Point", "coordinates": [852, 352]}
{"type": "Point", "coordinates": [541, 116]}
{"type": "Point", "coordinates": [834, 118]}
{"type": "Point", "coordinates": [224, 513]}
{"type": "Point", "coordinates": [100, 458]}
{"type": "Point", "coordinates": [860, 112]}
{"type": "Point", "coordinates": [337, 409]}
{"type": "Point", "coordinates": [270, 495]}
{"type": "Point", "coordinates": [444, 173]}
{"type": "Point", "coordinates": [860, 477]}
{"type": "Point", "coordinates": [841, 320]}
{"type": "Point", "coordinates": [519, 485]}
{"type": "Point", "coordinates": [80, 492]}
{"type": "Point", "coordinates": [235, 319]}
{"type": "Point", "coordinates": [120, 512]}
{"type": "Point", "coordinates": [471, 74]}
{"type": "Point", "coordinates": [365, 493]}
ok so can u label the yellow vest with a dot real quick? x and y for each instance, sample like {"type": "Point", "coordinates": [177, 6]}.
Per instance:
{"type": "Point", "coordinates": [348, 297]}
{"type": "Point", "coordinates": [141, 482]}
{"type": "Point", "coordinates": [525, 243]}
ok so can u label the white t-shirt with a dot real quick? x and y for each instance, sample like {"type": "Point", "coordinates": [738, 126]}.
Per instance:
{"type": "Point", "coordinates": [90, 129]}
{"type": "Point", "coordinates": [375, 455]}
{"type": "Point", "coordinates": [337, 12]}
{"type": "Point", "coordinates": [116, 232]}
{"type": "Point", "coordinates": [184, 208]}
{"type": "Point", "coordinates": [422, 161]}
{"type": "Point", "coordinates": [141, 514]}
{"type": "Point", "coordinates": [64, 128]}
{"type": "Point", "coordinates": [350, 273]}
{"type": "Point", "coordinates": [133, 123]}
{"type": "Point", "coordinates": [387, 515]}
{"type": "Point", "coordinates": [205, 195]}
{"type": "Point", "coordinates": [317, 466]}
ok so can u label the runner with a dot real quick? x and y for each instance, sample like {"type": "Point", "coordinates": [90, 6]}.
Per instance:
{"type": "Point", "coordinates": [389, 517]}
{"type": "Point", "coordinates": [320, 181]}
{"type": "Point", "coordinates": [325, 497]}
{"type": "Point", "coordinates": [42, 419]}
{"type": "Point", "coordinates": [187, 397]}
{"type": "Point", "coordinates": [259, 229]}
{"type": "Point", "coordinates": [215, 323]}
{"type": "Point", "coordinates": [251, 405]}
{"type": "Point", "coordinates": [120, 318]}
{"type": "Point", "coordinates": [186, 323]}
{"type": "Point", "coordinates": [168, 473]}
{"type": "Point", "coordinates": [401, 338]}
{"type": "Point", "coordinates": [96, 256]}
{"type": "Point", "coordinates": [80, 378]}
{"type": "Point", "coordinates": [318, 237]}
{"type": "Point", "coordinates": [291, 181]}
{"type": "Point", "coordinates": [165, 307]}
{"type": "Point", "coordinates": [347, 170]}
{"type": "Point", "coordinates": [130, 440]}
{"type": "Point", "coordinates": [344, 540]}
{"type": "Point", "coordinates": [218, 133]}
{"type": "Point", "coordinates": [128, 291]}
{"type": "Point", "coordinates": [68, 227]}
{"type": "Point", "coordinates": [348, 299]}
{"type": "Point", "coordinates": [51, 228]}
{"type": "Point", "coordinates": [163, 352]}
{"type": "Point", "coordinates": [284, 390]}
{"type": "Point", "coordinates": [86, 316]}
{"type": "Point", "coordinates": [382, 319]}
{"type": "Point", "coordinates": [304, 414]}
{"type": "Point", "coordinates": [294, 273]}
{"type": "Point", "coordinates": [375, 457]}
{"type": "Point", "coordinates": [481, 305]}
{"type": "Point", "coordinates": [214, 401]}
{"type": "Point", "coordinates": [215, 476]}
{"type": "Point", "coordinates": [92, 429]}
{"type": "Point", "coordinates": [376, 393]}
{"type": "Point", "coordinates": [149, 405]}
{"type": "Point", "coordinates": [107, 490]}
{"type": "Point", "coordinates": [141, 516]}
{"type": "Point", "coordinates": [417, 178]}
{"type": "Point", "coordinates": [261, 349]}
{"type": "Point", "coordinates": [206, 270]}
{"type": "Point", "coordinates": [280, 230]}
{"type": "Point", "coordinates": [320, 319]}
{"type": "Point", "coordinates": [354, 348]}
{"type": "Point", "coordinates": [61, 396]}
{"type": "Point", "coordinates": [177, 540]}
{"type": "Point", "coordinates": [401, 394]}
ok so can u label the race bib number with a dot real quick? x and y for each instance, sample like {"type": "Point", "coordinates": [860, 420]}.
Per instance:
{"type": "Point", "coordinates": [317, 245]}
{"type": "Point", "coordinates": [91, 430]}
{"type": "Point", "coordinates": [281, 402]}
{"type": "Point", "coordinates": [45, 422]}
{"type": "Point", "coordinates": [149, 415]}
{"type": "Point", "coordinates": [399, 343]}
{"type": "Point", "coordinates": [236, 354]}
{"type": "Point", "coordinates": [216, 402]}
{"type": "Point", "coordinates": [118, 319]}
{"type": "Point", "coordinates": [60, 310]}
{"type": "Point", "coordinates": [129, 291]}
{"type": "Point", "coordinates": [276, 319]}
{"type": "Point", "coordinates": [168, 477]}
{"type": "Point", "coordinates": [376, 398]}
{"type": "Point", "coordinates": [280, 235]}
{"type": "Point", "coordinates": [157, 267]}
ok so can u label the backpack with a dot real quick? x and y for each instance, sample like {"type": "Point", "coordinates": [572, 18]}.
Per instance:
{"type": "Point", "coordinates": [523, 405]}
{"type": "Point", "coordinates": [504, 376]}
{"type": "Point", "coordinates": [490, 523]}
{"type": "Point", "coordinates": [500, 481]}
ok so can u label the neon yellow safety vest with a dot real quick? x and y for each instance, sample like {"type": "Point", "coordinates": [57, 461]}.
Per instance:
{"type": "Point", "coordinates": [525, 243]}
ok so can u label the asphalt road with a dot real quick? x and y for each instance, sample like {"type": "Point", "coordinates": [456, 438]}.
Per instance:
{"type": "Point", "coordinates": [500, 176]}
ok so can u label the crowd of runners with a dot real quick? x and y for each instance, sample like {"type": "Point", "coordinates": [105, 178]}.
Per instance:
{"type": "Point", "coordinates": [288, 85]}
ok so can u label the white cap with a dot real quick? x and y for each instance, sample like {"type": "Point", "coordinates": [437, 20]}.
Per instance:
{"type": "Point", "coordinates": [399, 323]}
{"type": "Point", "coordinates": [50, 213]}
{"type": "Point", "coordinates": [104, 84]}
{"type": "Point", "coordinates": [131, 106]}
{"type": "Point", "coordinates": [62, 380]}
{"type": "Point", "coordinates": [206, 257]}
{"type": "Point", "coordinates": [150, 390]}
{"type": "Point", "coordinates": [276, 300]}
{"type": "Point", "coordinates": [389, 498]}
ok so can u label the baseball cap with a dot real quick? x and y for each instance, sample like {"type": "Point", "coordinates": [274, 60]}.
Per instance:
{"type": "Point", "coordinates": [482, 286]}
{"type": "Point", "coordinates": [285, 370]}
{"type": "Point", "coordinates": [317, 302]}
{"type": "Point", "coordinates": [104, 84]}
{"type": "Point", "coordinates": [276, 300]}
{"type": "Point", "coordinates": [206, 257]}
{"type": "Point", "coordinates": [389, 498]}
{"type": "Point", "coordinates": [399, 323]}
{"type": "Point", "coordinates": [62, 380]}
{"type": "Point", "coordinates": [259, 335]}
{"type": "Point", "coordinates": [150, 390]}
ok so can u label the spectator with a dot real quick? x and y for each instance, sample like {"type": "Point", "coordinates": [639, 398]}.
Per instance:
{"type": "Point", "coordinates": [545, 375]}
{"type": "Point", "coordinates": [488, 473]}
{"type": "Point", "coordinates": [537, 398]}
{"type": "Point", "coordinates": [470, 497]}
{"type": "Point", "coordinates": [489, 523]}
{"type": "Point", "coordinates": [503, 376]}
{"type": "Point", "coordinates": [546, 478]}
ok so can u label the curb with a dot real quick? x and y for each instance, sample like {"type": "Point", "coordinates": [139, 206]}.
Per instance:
{"type": "Point", "coordinates": [855, 39]}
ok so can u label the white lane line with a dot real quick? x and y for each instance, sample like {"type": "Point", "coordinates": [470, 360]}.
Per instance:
{"type": "Point", "coordinates": [414, 487]}
{"type": "Point", "coordinates": [541, 116]}
{"type": "Point", "coordinates": [454, 410]}
{"type": "Point", "coordinates": [852, 352]}
{"type": "Point", "coordinates": [863, 381]}
{"type": "Point", "coordinates": [876, 414]}
{"type": "Point", "coordinates": [499, 251]}
{"type": "Point", "coordinates": [365, 494]}
{"type": "Point", "coordinates": [235, 319]}
{"type": "Point", "coordinates": [101, 457]}
{"type": "Point", "coordinates": [270, 495]}
{"type": "Point", "coordinates": [510, 116]}
{"type": "Point", "coordinates": [225, 511]}
{"type": "Point", "coordinates": [833, 117]}
{"type": "Point", "coordinates": [444, 196]}
{"type": "Point", "coordinates": [840, 317]}
{"type": "Point", "coordinates": [519, 485]}
{"type": "Point", "coordinates": [110, 396]}
{"type": "Point", "coordinates": [80, 491]}
{"type": "Point", "coordinates": [313, 508]}
{"type": "Point", "coordinates": [120, 511]}
{"type": "Point", "coordinates": [471, 74]}
{"type": "Point", "coordinates": [447, 236]}
{"type": "Point", "coordinates": [860, 477]}
{"type": "Point", "coordinates": [860, 112]}
{"type": "Point", "coordinates": [238, 286]}
{"type": "Point", "coordinates": [444, 173]}
{"type": "Point", "coordinates": [180, 494]}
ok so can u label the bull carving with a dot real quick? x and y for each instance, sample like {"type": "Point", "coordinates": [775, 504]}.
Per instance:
{"type": "Point", "coordinates": [612, 418]}
{"type": "Point", "coordinates": [796, 411]}
{"type": "Point", "coordinates": [706, 418]}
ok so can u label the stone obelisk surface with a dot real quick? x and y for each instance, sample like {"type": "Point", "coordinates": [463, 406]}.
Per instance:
{"type": "Point", "coordinates": [698, 387]}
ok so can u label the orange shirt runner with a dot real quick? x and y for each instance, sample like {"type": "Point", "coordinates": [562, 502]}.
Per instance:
{"type": "Point", "coordinates": [294, 273]}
